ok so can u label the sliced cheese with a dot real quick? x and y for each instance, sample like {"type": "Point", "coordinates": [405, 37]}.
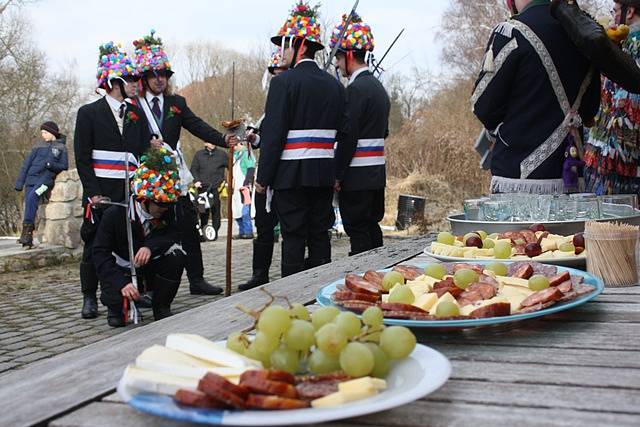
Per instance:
{"type": "Point", "coordinates": [514, 281]}
{"type": "Point", "coordinates": [202, 348]}
{"type": "Point", "coordinates": [446, 297]}
{"type": "Point", "coordinates": [426, 301]}
{"type": "Point", "coordinates": [467, 309]}
{"type": "Point", "coordinates": [384, 297]}
{"type": "Point", "coordinates": [515, 295]}
{"type": "Point", "coordinates": [419, 289]}
{"type": "Point", "coordinates": [136, 380]}
{"type": "Point", "coordinates": [330, 400]}
{"type": "Point", "coordinates": [361, 387]}
{"type": "Point", "coordinates": [165, 360]}
{"type": "Point", "coordinates": [548, 244]}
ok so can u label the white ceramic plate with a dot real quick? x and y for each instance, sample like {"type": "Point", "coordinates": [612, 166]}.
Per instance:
{"type": "Point", "coordinates": [573, 262]}
{"type": "Point", "coordinates": [410, 379]}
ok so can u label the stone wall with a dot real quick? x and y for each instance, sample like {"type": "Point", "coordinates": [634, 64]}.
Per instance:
{"type": "Point", "coordinates": [60, 224]}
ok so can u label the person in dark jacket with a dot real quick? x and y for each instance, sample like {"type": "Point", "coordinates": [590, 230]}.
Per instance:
{"type": "Point", "coordinates": [208, 168]}
{"type": "Point", "coordinates": [303, 115]}
{"type": "Point", "coordinates": [360, 161]}
{"type": "Point", "coordinates": [156, 240]}
{"type": "Point", "coordinates": [167, 114]}
{"type": "Point", "coordinates": [107, 130]}
{"type": "Point", "coordinates": [38, 173]}
{"type": "Point", "coordinates": [533, 93]}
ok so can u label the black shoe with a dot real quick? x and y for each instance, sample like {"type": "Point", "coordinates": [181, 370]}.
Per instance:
{"type": "Point", "coordinates": [246, 236]}
{"type": "Point", "coordinates": [89, 306]}
{"type": "Point", "coordinates": [144, 301]}
{"type": "Point", "coordinates": [202, 287]}
{"type": "Point", "coordinates": [254, 282]}
{"type": "Point", "coordinates": [115, 319]}
{"type": "Point", "coordinates": [161, 312]}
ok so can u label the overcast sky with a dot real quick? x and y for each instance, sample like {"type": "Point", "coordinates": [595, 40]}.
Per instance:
{"type": "Point", "coordinates": [71, 30]}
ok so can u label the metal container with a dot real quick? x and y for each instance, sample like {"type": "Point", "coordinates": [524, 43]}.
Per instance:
{"type": "Point", "coordinates": [461, 226]}
{"type": "Point", "coordinates": [410, 210]}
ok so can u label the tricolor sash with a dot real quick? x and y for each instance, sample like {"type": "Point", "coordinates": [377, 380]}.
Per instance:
{"type": "Point", "coordinates": [369, 152]}
{"type": "Point", "coordinates": [309, 144]}
{"type": "Point", "coordinates": [111, 164]}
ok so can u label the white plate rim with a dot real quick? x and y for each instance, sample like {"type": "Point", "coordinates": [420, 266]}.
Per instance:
{"type": "Point", "coordinates": [567, 262]}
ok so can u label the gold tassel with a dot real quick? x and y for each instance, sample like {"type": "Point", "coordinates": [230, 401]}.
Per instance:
{"type": "Point", "coordinates": [488, 66]}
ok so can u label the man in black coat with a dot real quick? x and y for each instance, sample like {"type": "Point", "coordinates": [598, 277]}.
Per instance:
{"type": "Point", "coordinates": [208, 168]}
{"type": "Point", "coordinates": [105, 130]}
{"type": "Point", "coordinates": [156, 241]}
{"type": "Point", "coordinates": [167, 114]}
{"type": "Point", "coordinates": [533, 93]}
{"type": "Point", "coordinates": [360, 161]}
{"type": "Point", "coordinates": [303, 115]}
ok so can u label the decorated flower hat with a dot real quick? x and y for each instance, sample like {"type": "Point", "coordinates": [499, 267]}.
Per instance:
{"type": "Point", "coordinates": [275, 61]}
{"type": "Point", "coordinates": [303, 23]}
{"type": "Point", "coordinates": [157, 177]}
{"type": "Point", "coordinates": [357, 37]}
{"type": "Point", "coordinates": [150, 55]}
{"type": "Point", "coordinates": [113, 64]}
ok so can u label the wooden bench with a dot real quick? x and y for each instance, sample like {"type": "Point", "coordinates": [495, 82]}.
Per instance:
{"type": "Point", "coordinates": [581, 367]}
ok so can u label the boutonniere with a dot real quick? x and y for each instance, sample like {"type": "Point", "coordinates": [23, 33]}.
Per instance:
{"type": "Point", "coordinates": [132, 117]}
{"type": "Point", "coordinates": [173, 110]}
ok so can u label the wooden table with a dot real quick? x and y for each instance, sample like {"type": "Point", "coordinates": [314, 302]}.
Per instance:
{"type": "Point", "coordinates": [577, 368]}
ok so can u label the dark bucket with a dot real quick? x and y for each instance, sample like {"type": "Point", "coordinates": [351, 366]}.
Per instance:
{"type": "Point", "coordinates": [410, 211]}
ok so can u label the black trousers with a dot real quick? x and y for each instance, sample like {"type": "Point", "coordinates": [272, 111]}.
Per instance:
{"type": "Point", "coordinates": [305, 216]}
{"type": "Point", "coordinates": [265, 221]}
{"type": "Point", "coordinates": [361, 212]}
{"type": "Point", "coordinates": [187, 220]}
{"type": "Point", "coordinates": [88, 230]}
{"type": "Point", "coordinates": [167, 267]}
{"type": "Point", "coordinates": [214, 212]}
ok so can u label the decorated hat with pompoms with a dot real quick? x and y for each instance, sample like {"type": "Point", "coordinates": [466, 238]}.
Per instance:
{"type": "Point", "coordinates": [113, 63]}
{"type": "Point", "coordinates": [275, 62]}
{"type": "Point", "coordinates": [358, 35]}
{"type": "Point", "coordinates": [157, 178]}
{"type": "Point", "coordinates": [150, 54]}
{"type": "Point", "coordinates": [302, 23]}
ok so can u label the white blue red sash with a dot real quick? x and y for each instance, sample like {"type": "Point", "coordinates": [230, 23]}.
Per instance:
{"type": "Point", "coordinates": [309, 144]}
{"type": "Point", "coordinates": [369, 152]}
{"type": "Point", "coordinates": [111, 164]}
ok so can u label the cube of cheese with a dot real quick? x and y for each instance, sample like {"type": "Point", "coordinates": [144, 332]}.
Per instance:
{"type": "Point", "coordinates": [426, 301]}
{"type": "Point", "coordinates": [446, 297]}
{"type": "Point", "coordinates": [330, 400]}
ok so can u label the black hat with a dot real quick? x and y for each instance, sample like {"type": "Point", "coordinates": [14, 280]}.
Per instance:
{"type": "Point", "coordinates": [52, 128]}
{"type": "Point", "coordinates": [632, 3]}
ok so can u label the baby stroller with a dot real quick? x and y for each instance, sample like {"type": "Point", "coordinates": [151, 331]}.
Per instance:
{"type": "Point", "coordinates": [202, 202]}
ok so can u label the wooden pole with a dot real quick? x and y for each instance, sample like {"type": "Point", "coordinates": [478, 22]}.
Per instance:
{"type": "Point", "coordinates": [227, 290]}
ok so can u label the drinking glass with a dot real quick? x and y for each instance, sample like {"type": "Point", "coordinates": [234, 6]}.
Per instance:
{"type": "Point", "coordinates": [473, 208]}
{"type": "Point", "coordinates": [563, 208]}
{"type": "Point", "coordinates": [619, 204]}
{"type": "Point", "coordinates": [540, 207]}
{"type": "Point", "coordinates": [587, 208]}
{"type": "Point", "coordinates": [521, 207]}
{"type": "Point", "coordinates": [498, 209]}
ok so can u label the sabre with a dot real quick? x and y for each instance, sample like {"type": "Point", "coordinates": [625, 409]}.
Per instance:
{"type": "Point", "coordinates": [227, 290]}
{"type": "Point", "coordinates": [385, 54]}
{"type": "Point", "coordinates": [135, 314]}
{"type": "Point", "coordinates": [342, 33]}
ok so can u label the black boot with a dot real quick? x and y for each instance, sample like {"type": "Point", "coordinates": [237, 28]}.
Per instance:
{"type": "Point", "coordinates": [202, 287]}
{"type": "Point", "coordinates": [289, 269]}
{"type": "Point", "coordinates": [115, 317]}
{"type": "Point", "coordinates": [89, 282]}
{"type": "Point", "coordinates": [26, 239]}
{"type": "Point", "coordinates": [262, 255]}
{"type": "Point", "coordinates": [164, 291]}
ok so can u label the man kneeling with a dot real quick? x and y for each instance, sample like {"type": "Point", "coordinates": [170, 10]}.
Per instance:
{"type": "Point", "coordinates": [158, 255]}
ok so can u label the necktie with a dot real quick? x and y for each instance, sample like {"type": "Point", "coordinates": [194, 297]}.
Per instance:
{"type": "Point", "coordinates": [122, 108]}
{"type": "Point", "coordinates": [156, 107]}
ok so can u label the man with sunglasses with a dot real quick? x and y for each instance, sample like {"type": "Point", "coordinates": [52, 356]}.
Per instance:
{"type": "Point", "coordinates": [167, 114]}
{"type": "Point", "coordinates": [106, 131]}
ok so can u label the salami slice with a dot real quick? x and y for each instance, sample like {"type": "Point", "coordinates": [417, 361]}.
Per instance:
{"type": "Point", "coordinates": [542, 297]}
{"type": "Point", "coordinates": [357, 284]}
{"type": "Point", "coordinates": [197, 399]}
{"type": "Point", "coordinates": [259, 401]}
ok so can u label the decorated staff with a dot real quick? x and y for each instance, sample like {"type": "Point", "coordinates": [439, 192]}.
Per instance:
{"type": "Point", "coordinates": [152, 246]}
{"type": "Point", "coordinates": [110, 133]}
{"type": "Point", "coordinates": [167, 114]}
{"type": "Point", "coordinates": [360, 161]}
{"type": "Point", "coordinates": [303, 121]}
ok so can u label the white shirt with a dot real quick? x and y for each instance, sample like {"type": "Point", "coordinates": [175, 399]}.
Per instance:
{"type": "Point", "coordinates": [356, 74]}
{"type": "Point", "coordinates": [114, 104]}
{"type": "Point", "coordinates": [149, 97]}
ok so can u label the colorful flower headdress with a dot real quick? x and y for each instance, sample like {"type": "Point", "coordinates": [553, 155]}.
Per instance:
{"type": "Point", "coordinates": [302, 23]}
{"type": "Point", "coordinates": [150, 54]}
{"type": "Point", "coordinates": [113, 63]}
{"type": "Point", "coordinates": [276, 60]}
{"type": "Point", "coordinates": [157, 177]}
{"type": "Point", "coordinates": [357, 37]}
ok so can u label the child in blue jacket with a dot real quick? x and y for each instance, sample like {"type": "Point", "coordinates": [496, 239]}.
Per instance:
{"type": "Point", "coordinates": [38, 173]}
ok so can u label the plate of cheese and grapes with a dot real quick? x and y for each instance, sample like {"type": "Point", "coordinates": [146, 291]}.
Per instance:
{"type": "Point", "coordinates": [532, 244]}
{"type": "Point", "coordinates": [297, 368]}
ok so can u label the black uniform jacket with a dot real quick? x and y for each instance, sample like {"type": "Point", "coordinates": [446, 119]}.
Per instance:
{"type": "Point", "coordinates": [360, 157]}
{"type": "Point", "coordinates": [112, 238]}
{"type": "Point", "coordinates": [209, 167]}
{"type": "Point", "coordinates": [96, 129]}
{"type": "Point", "coordinates": [176, 115]}
{"type": "Point", "coordinates": [519, 104]}
{"type": "Point", "coordinates": [303, 119]}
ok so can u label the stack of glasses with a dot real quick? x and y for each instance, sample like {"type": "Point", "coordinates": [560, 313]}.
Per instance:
{"type": "Point", "coordinates": [521, 207]}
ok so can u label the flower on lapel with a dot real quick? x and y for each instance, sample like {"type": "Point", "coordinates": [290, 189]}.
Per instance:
{"type": "Point", "coordinates": [132, 117]}
{"type": "Point", "coordinates": [173, 110]}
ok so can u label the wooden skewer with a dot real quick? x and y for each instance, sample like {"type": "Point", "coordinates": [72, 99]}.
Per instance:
{"type": "Point", "coordinates": [612, 252]}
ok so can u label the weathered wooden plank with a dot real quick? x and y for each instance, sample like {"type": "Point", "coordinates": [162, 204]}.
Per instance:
{"type": "Point", "coordinates": [80, 375]}
{"type": "Point", "coordinates": [482, 352]}
{"type": "Point", "coordinates": [112, 398]}
{"type": "Point", "coordinates": [113, 414]}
